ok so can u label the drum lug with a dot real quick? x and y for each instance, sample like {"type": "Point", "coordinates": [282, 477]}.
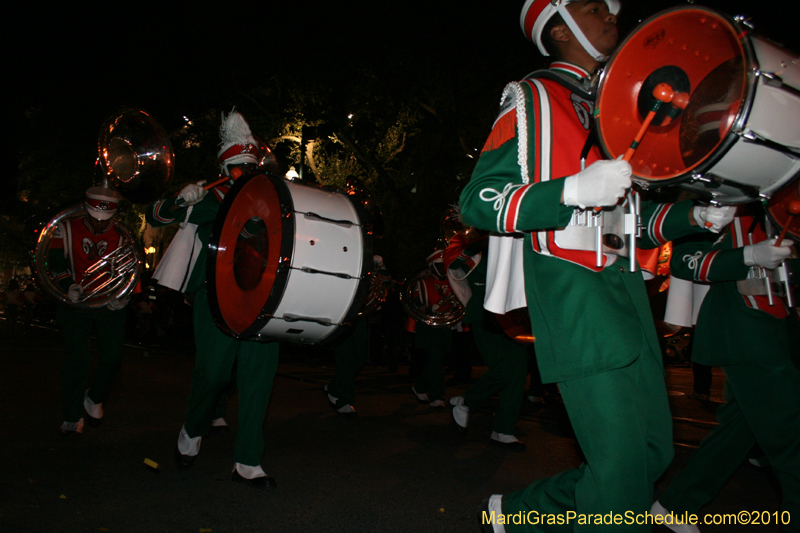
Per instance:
{"type": "Point", "coordinates": [772, 79]}
{"type": "Point", "coordinates": [284, 264]}
{"type": "Point", "coordinates": [696, 176]}
{"type": "Point", "coordinates": [745, 22]}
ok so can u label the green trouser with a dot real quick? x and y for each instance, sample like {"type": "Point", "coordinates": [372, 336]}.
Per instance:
{"type": "Point", "coordinates": [217, 356]}
{"type": "Point", "coordinates": [623, 424]}
{"type": "Point", "coordinates": [351, 354]}
{"type": "Point", "coordinates": [221, 410]}
{"type": "Point", "coordinates": [436, 343]}
{"type": "Point", "coordinates": [77, 365]}
{"type": "Point", "coordinates": [762, 405]}
{"type": "Point", "coordinates": [507, 371]}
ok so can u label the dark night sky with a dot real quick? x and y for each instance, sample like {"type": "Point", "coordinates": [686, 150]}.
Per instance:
{"type": "Point", "coordinates": [82, 64]}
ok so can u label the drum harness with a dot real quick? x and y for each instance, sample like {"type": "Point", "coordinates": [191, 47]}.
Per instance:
{"type": "Point", "coordinates": [760, 280]}
{"type": "Point", "coordinates": [615, 220]}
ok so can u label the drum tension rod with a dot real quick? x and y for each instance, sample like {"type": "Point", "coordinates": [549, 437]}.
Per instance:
{"type": "Point", "coordinates": [310, 270]}
{"type": "Point", "coordinates": [315, 216]}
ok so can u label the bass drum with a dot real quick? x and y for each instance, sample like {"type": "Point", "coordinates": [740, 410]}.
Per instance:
{"type": "Point", "coordinates": [287, 261]}
{"type": "Point", "coordinates": [738, 136]}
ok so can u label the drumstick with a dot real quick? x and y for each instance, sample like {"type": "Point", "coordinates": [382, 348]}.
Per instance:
{"type": "Point", "coordinates": [215, 183]}
{"type": "Point", "coordinates": [663, 94]}
{"type": "Point", "coordinates": [235, 173]}
{"type": "Point", "coordinates": [679, 103]}
{"type": "Point", "coordinates": [794, 209]}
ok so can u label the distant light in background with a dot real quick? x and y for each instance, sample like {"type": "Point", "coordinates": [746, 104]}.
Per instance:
{"type": "Point", "coordinates": [150, 250]}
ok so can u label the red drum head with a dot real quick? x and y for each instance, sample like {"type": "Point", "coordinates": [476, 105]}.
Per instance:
{"type": "Point", "coordinates": [700, 54]}
{"type": "Point", "coordinates": [245, 253]}
{"type": "Point", "coordinates": [783, 209]}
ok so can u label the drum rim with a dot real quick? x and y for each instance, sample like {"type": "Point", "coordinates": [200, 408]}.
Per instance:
{"type": "Point", "coordinates": [731, 138]}
{"type": "Point", "coordinates": [287, 251]}
{"type": "Point", "coordinates": [367, 264]}
{"type": "Point", "coordinates": [281, 274]}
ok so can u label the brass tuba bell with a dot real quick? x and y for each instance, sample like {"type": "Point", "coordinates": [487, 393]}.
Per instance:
{"type": "Point", "coordinates": [449, 310]}
{"type": "Point", "coordinates": [136, 155]}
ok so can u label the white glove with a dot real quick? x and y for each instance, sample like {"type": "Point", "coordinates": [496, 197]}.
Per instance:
{"type": "Point", "coordinates": [766, 254]}
{"type": "Point", "coordinates": [378, 260]}
{"type": "Point", "coordinates": [713, 218]}
{"type": "Point", "coordinates": [191, 194]}
{"type": "Point", "coordinates": [601, 184]}
{"type": "Point", "coordinates": [115, 304]}
{"type": "Point", "coordinates": [75, 292]}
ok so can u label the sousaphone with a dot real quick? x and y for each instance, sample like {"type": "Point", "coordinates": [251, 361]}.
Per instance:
{"type": "Point", "coordinates": [137, 159]}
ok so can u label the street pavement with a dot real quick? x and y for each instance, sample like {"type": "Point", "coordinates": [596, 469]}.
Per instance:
{"type": "Point", "coordinates": [398, 467]}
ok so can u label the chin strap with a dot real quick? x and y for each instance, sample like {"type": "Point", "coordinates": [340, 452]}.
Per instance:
{"type": "Point", "coordinates": [561, 7]}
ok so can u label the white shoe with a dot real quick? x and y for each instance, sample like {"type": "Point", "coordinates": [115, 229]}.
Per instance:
{"type": "Point", "coordinates": [460, 414]}
{"type": "Point", "coordinates": [347, 409]}
{"type": "Point", "coordinates": [331, 398]}
{"type": "Point", "coordinates": [457, 400]}
{"type": "Point", "coordinates": [535, 399]}
{"type": "Point", "coordinates": [72, 428]}
{"type": "Point", "coordinates": [658, 510]}
{"type": "Point", "coordinates": [504, 439]}
{"type": "Point", "coordinates": [494, 506]}
{"type": "Point", "coordinates": [437, 403]}
{"type": "Point", "coordinates": [219, 425]}
{"type": "Point", "coordinates": [95, 410]}
{"type": "Point", "coordinates": [421, 397]}
{"type": "Point", "coordinates": [188, 445]}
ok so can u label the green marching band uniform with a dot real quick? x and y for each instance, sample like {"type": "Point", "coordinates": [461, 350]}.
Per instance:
{"type": "Point", "coordinates": [506, 360]}
{"type": "Point", "coordinates": [76, 245]}
{"type": "Point", "coordinates": [434, 342]}
{"type": "Point", "coordinates": [758, 347]}
{"type": "Point", "coordinates": [350, 352]}
{"type": "Point", "coordinates": [219, 355]}
{"type": "Point", "coordinates": [594, 328]}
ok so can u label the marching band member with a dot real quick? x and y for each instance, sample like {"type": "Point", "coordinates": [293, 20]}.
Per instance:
{"type": "Point", "coordinates": [350, 352]}
{"type": "Point", "coordinates": [595, 332]}
{"type": "Point", "coordinates": [218, 354]}
{"type": "Point", "coordinates": [506, 360]}
{"type": "Point", "coordinates": [434, 342]}
{"type": "Point", "coordinates": [758, 347]}
{"type": "Point", "coordinates": [75, 246]}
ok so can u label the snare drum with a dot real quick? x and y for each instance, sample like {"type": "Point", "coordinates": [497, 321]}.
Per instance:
{"type": "Point", "coordinates": [738, 137]}
{"type": "Point", "coordinates": [287, 261]}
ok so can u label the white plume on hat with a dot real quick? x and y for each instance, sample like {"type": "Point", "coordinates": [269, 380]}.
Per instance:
{"type": "Point", "coordinates": [237, 144]}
